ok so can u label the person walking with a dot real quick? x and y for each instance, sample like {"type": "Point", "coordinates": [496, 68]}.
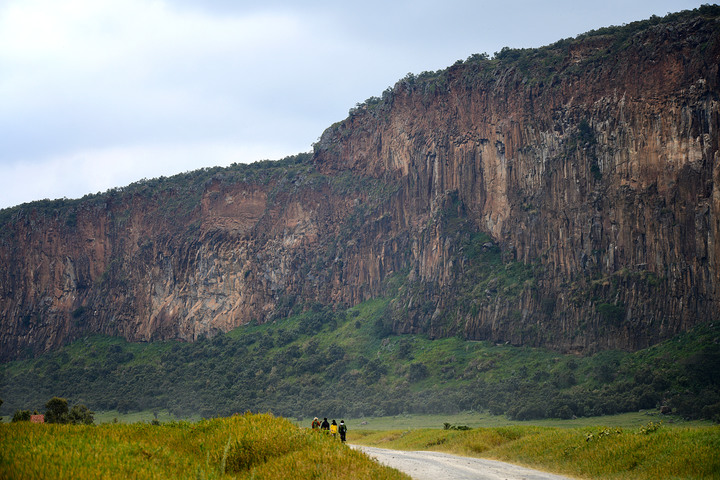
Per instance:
{"type": "Point", "coordinates": [342, 429]}
{"type": "Point", "coordinates": [325, 427]}
{"type": "Point", "coordinates": [334, 429]}
{"type": "Point", "coordinates": [316, 424]}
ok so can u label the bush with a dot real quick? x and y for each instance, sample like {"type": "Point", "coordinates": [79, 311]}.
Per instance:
{"type": "Point", "coordinates": [80, 414]}
{"type": "Point", "coordinates": [57, 411]}
{"type": "Point", "coordinates": [21, 416]}
{"type": "Point", "coordinates": [383, 326]}
{"type": "Point", "coordinates": [448, 426]}
{"type": "Point", "coordinates": [418, 371]}
{"type": "Point", "coordinates": [614, 314]}
{"type": "Point", "coordinates": [564, 412]}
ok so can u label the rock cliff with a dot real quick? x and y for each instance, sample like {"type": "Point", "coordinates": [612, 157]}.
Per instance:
{"type": "Point", "coordinates": [565, 196]}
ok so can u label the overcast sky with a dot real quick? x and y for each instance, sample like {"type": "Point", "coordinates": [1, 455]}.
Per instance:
{"type": "Point", "coordinates": [96, 94]}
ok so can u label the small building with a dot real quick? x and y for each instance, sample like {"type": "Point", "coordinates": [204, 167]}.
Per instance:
{"type": "Point", "coordinates": [37, 418]}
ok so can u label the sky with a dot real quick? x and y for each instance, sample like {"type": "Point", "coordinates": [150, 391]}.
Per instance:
{"type": "Point", "coordinates": [97, 94]}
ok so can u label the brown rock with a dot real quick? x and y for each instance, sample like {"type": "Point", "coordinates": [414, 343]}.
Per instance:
{"type": "Point", "coordinates": [590, 164]}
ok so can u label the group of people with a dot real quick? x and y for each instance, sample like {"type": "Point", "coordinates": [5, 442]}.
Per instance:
{"type": "Point", "coordinates": [331, 428]}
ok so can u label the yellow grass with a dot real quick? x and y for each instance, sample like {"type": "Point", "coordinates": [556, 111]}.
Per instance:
{"type": "Point", "coordinates": [247, 446]}
{"type": "Point", "coordinates": [590, 452]}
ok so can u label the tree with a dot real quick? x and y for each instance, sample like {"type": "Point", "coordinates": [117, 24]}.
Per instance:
{"type": "Point", "coordinates": [404, 349]}
{"type": "Point", "coordinates": [80, 414]}
{"type": "Point", "coordinates": [418, 371]}
{"type": "Point", "coordinates": [57, 411]}
{"type": "Point", "coordinates": [21, 416]}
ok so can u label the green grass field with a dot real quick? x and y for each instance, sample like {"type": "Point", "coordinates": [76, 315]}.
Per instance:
{"type": "Point", "coordinates": [628, 446]}
{"type": "Point", "coordinates": [652, 451]}
{"type": "Point", "coordinates": [244, 446]}
{"type": "Point", "coordinates": [413, 422]}
{"type": "Point", "coordinates": [163, 416]}
{"type": "Point", "coordinates": [486, 420]}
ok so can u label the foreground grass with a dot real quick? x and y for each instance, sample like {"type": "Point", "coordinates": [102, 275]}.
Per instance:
{"type": "Point", "coordinates": [650, 452]}
{"type": "Point", "coordinates": [247, 446]}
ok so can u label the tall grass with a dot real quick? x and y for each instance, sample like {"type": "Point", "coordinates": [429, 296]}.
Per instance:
{"type": "Point", "coordinates": [649, 452]}
{"type": "Point", "coordinates": [246, 446]}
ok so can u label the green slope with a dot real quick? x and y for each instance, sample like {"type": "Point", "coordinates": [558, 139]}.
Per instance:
{"type": "Point", "coordinates": [345, 364]}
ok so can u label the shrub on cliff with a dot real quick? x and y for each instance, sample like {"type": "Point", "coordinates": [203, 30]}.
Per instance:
{"type": "Point", "coordinates": [614, 314]}
{"type": "Point", "coordinates": [418, 371]}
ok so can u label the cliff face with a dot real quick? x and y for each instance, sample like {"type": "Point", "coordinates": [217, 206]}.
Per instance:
{"type": "Point", "coordinates": [565, 196]}
{"type": "Point", "coordinates": [602, 170]}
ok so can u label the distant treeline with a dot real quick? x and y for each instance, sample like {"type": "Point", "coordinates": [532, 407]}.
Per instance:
{"type": "Point", "coordinates": [347, 364]}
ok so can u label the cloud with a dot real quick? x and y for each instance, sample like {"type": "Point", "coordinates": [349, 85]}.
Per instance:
{"type": "Point", "coordinates": [94, 171]}
{"type": "Point", "coordinates": [110, 69]}
{"type": "Point", "coordinates": [100, 79]}
{"type": "Point", "coordinates": [134, 85]}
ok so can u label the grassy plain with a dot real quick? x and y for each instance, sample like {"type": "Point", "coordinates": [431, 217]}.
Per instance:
{"type": "Point", "coordinates": [651, 451]}
{"type": "Point", "coordinates": [486, 420]}
{"type": "Point", "coordinates": [437, 421]}
{"type": "Point", "coordinates": [627, 446]}
{"type": "Point", "coordinates": [163, 416]}
{"type": "Point", "coordinates": [243, 446]}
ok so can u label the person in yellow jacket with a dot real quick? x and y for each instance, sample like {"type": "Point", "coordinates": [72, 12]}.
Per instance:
{"type": "Point", "coordinates": [333, 429]}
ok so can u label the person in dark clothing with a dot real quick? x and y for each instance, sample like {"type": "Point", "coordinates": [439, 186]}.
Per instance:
{"type": "Point", "coordinates": [325, 427]}
{"type": "Point", "coordinates": [342, 430]}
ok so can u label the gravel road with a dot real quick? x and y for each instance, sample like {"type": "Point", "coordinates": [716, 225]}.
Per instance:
{"type": "Point", "coordinates": [443, 466]}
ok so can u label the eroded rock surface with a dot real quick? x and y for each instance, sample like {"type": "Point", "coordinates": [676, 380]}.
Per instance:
{"type": "Point", "coordinates": [589, 169]}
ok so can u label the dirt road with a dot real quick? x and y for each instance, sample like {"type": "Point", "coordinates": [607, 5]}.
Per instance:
{"type": "Point", "coordinates": [443, 466]}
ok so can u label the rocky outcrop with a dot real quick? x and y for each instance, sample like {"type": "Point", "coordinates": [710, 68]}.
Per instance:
{"type": "Point", "coordinates": [564, 196]}
{"type": "Point", "coordinates": [601, 169]}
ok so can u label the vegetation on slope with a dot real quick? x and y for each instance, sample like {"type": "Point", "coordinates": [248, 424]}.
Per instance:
{"type": "Point", "coordinates": [244, 446]}
{"type": "Point", "coordinates": [178, 195]}
{"type": "Point", "coordinates": [347, 364]}
{"type": "Point", "coordinates": [650, 452]}
{"type": "Point", "coordinates": [542, 66]}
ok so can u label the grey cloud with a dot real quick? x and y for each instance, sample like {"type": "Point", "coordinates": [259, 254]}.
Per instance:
{"type": "Point", "coordinates": [250, 74]}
